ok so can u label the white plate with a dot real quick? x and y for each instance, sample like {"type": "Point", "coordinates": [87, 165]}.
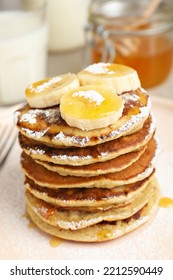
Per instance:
{"type": "Point", "coordinates": [151, 241]}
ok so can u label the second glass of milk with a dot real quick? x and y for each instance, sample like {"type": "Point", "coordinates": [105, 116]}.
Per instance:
{"type": "Point", "coordinates": [23, 51]}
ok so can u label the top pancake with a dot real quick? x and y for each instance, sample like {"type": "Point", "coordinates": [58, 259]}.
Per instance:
{"type": "Point", "coordinates": [89, 155]}
{"type": "Point", "coordinates": [47, 126]}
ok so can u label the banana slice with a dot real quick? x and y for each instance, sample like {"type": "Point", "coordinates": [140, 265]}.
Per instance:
{"type": "Point", "coordinates": [46, 93]}
{"type": "Point", "coordinates": [91, 107]}
{"type": "Point", "coordinates": [117, 77]}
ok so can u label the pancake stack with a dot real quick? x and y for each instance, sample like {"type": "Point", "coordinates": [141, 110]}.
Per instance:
{"type": "Point", "coordinates": [89, 185]}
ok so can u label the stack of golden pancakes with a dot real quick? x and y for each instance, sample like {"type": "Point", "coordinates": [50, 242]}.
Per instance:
{"type": "Point", "coordinates": [88, 184]}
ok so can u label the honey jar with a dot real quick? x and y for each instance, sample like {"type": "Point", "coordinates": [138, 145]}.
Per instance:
{"type": "Point", "coordinates": [118, 33]}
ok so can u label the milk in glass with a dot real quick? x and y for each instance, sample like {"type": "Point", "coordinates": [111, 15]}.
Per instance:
{"type": "Point", "coordinates": [23, 51]}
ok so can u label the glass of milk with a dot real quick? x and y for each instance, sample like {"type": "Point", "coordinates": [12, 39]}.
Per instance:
{"type": "Point", "coordinates": [23, 50]}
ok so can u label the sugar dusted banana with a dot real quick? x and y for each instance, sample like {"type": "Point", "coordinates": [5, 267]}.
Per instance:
{"type": "Point", "coordinates": [117, 77]}
{"type": "Point", "coordinates": [46, 93]}
{"type": "Point", "coordinates": [91, 107]}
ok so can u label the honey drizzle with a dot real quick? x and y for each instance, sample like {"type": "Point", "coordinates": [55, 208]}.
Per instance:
{"type": "Point", "coordinates": [31, 223]}
{"type": "Point", "coordinates": [103, 233]}
{"type": "Point", "coordinates": [166, 202]}
{"type": "Point", "coordinates": [55, 242]}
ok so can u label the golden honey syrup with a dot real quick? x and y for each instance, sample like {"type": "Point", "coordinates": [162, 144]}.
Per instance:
{"type": "Point", "coordinates": [91, 102]}
{"type": "Point", "coordinates": [103, 234]}
{"type": "Point", "coordinates": [116, 77]}
{"type": "Point", "coordinates": [31, 223]}
{"type": "Point", "coordinates": [91, 107]}
{"type": "Point", "coordinates": [166, 202]}
{"type": "Point", "coordinates": [45, 210]}
{"type": "Point", "coordinates": [118, 69]}
{"type": "Point", "coordinates": [149, 51]}
{"type": "Point", "coordinates": [115, 69]}
{"type": "Point", "coordinates": [55, 241]}
{"type": "Point", "coordinates": [42, 86]}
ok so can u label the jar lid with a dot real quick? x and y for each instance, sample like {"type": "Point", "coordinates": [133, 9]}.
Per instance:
{"type": "Point", "coordinates": [115, 13]}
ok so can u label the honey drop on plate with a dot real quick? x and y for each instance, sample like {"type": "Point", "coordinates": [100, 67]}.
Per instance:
{"type": "Point", "coordinates": [55, 241]}
{"type": "Point", "coordinates": [166, 202]}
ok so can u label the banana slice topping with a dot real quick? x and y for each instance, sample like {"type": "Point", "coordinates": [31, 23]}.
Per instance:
{"type": "Point", "coordinates": [91, 107]}
{"type": "Point", "coordinates": [116, 77]}
{"type": "Point", "coordinates": [89, 100]}
{"type": "Point", "coordinates": [48, 92]}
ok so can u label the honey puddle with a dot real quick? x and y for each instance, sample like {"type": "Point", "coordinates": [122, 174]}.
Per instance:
{"type": "Point", "coordinates": [166, 202]}
{"type": "Point", "coordinates": [55, 241]}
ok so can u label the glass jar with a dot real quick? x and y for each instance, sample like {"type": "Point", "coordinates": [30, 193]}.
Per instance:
{"type": "Point", "coordinates": [114, 35]}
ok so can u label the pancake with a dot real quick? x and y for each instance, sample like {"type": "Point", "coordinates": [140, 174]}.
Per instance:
{"type": "Point", "coordinates": [88, 155]}
{"type": "Point", "coordinates": [47, 126]}
{"type": "Point", "coordinates": [92, 199]}
{"type": "Point", "coordinates": [88, 185]}
{"type": "Point", "coordinates": [76, 219]}
{"type": "Point", "coordinates": [137, 171]}
{"type": "Point", "coordinates": [105, 230]}
{"type": "Point", "coordinates": [111, 166]}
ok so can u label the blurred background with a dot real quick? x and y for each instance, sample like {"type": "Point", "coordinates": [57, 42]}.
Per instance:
{"type": "Point", "coordinates": [43, 38]}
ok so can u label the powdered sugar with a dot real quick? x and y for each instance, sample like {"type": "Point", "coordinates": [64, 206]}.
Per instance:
{"type": "Point", "coordinates": [135, 119]}
{"type": "Point", "coordinates": [90, 95]}
{"type": "Point", "coordinates": [72, 139]}
{"type": "Point", "coordinates": [45, 85]}
{"type": "Point", "coordinates": [103, 154]}
{"type": "Point", "coordinates": [99, 68]}
{"type": "Point", "coordinates": [30, 117]}
{"type": "Point", "coordinates": [41, 210]}
{"type": "Point", "coordinates": [34, 134]}
{"type": "Point", "coordinates": [72, 158]}
{"type": "Point", "coordinates": [60, 136]}
{"type": "Point", "coordinates": [37, 151]}
{"type": "Point", "coordinates": [129, 96]}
